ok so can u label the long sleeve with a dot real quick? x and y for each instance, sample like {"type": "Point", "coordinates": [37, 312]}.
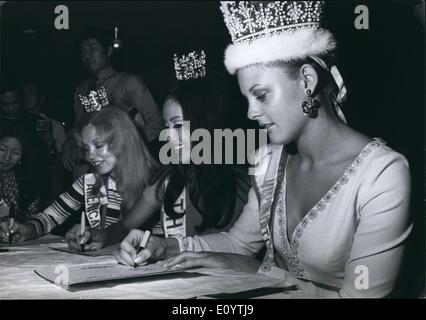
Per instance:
{"type": "Point", "coordinates": [243, 238]}
{"type": "Point", "coordinates": [384, 225]}
{"type": "Point", "coordinates": [66, 205]}
{"type": "Point", "coordinates": [142, 100]}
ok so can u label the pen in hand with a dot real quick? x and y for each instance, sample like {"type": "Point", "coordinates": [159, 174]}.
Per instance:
{"type": "Point", "coordinates": [142, 245]}
{"type": "Point", "coordinates": [82, 229]}
{"type": "Point", "coordinates": [11, 222]}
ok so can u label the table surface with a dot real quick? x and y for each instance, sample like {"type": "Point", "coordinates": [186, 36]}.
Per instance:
{"type": "Point", "coordinates": [19, 281]}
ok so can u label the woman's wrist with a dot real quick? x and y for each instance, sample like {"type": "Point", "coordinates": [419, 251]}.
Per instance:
{"type": "Point", "coordinates": [31, 232]}
{"type": "Point", "coordinates": [171, 246]}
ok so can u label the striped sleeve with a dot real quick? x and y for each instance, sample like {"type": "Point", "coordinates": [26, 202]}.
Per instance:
{"type": "Point", "coordinates": [66, 205]}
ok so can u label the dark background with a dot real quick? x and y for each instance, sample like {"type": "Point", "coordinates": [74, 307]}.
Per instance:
{"type": "Point", "coordinates": [383, 67]}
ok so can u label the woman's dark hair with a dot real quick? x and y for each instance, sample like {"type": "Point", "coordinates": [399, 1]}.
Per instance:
{"type": "Point", "coordinates": [326, 87]}
{"type": "Point", "coordinates": [212, 187]}
{"type": "Point", "coordinates": [31, 180]}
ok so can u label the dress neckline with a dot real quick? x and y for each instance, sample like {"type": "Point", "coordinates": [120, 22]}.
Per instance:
{"type": "Point", "coordinates": [327, 197]}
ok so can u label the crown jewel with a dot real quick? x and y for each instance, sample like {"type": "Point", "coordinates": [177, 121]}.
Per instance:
{"type": "Point", "coordinates": [250, 20]}
{"type": "Point", "coordinates": [192, 66]}
{"type": "Point", "coordinates": [95, 100]}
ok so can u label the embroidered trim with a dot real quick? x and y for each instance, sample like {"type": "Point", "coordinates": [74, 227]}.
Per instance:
{"type": "Point", "coordinates": [183, 242]}
{"type": "Point", "coordinates": [290, 250]}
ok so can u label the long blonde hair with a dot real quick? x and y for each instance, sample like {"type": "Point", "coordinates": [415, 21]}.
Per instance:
{"type": "Point", "coordinates": [135, 164]}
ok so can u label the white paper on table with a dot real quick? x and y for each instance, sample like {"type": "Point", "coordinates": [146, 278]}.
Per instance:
{"type": "Point", "coordinates": [65, 276]}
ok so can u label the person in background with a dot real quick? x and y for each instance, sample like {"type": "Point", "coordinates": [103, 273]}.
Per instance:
{"type": "Point", "coordinates": [191, 199]}
{"type": "Point", "coordinates": [122, 166]}
{"type": "Point", "coordinates": [20, 183]}
{"type": "Point", "coordinates": [125, 90]}
{"type": "Point", "coordinates": [194, 198]}
{"type": "Point", "coordinates": [33, 102]}
{"type": "Point", "coordinates": [15, 122]}
{"type": "Point", "coordinates": [334, 214]}
{"type": "Point", "coordinates": [53, 133]}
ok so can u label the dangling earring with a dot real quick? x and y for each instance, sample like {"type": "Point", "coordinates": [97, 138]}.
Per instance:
{"type": "Point", "coordinates": [310, 106]}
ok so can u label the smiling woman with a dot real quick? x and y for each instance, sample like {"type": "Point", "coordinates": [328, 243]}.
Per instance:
{"type": "Point", "coordinates": [10, 153]}
{"type": "Point", "coordinates": [334, 215]}
{"type": "Point", "coordinates": [18, 180]}
{"type": "Point", "coordinates": [97, 151]}
{"type": "Point", "coordinates": [122, 166]}
{"type": "Point", "coordinates": [114, 147]}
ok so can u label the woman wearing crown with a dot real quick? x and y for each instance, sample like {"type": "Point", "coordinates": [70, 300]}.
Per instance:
{"type": "Point", "coordinates": [333, 214]}
{"type": "Point", "coordinates": [193, 199]}
{"type": "Point", "coordinates": [122, 167]}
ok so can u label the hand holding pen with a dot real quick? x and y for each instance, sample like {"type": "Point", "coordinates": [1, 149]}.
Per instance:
{"type": "Point", "coordinates": [12, 232]}
{"type": "Point", "coordinates": [82, 238]}
{"type": "Point", "coordinates": [142, 246]}
{"type": "Point", "coordinates": [78, 237]}
{"type": "Point", "coordinates": [137, 248]}
{"type": "Point", "coordinates": [11, 223]}
{"type": "Point", "coordinates": [82, 230]}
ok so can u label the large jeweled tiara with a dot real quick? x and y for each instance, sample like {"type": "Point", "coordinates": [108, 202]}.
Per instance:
{"type": "Point", "coordinates": [266, 32]}
{"type": "Point", "coordinates": [95, 100]}
{"type": "Point", "coordinates": [250, 20]}
{"type": "Point", "coordinates": [272, 31]}
{"type": "Point", "coordinates": [192, 66]}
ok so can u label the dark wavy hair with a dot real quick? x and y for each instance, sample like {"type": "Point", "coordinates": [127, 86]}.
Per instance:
{"type": "Point", "coordinates": [32, 183]}
{"type": "Point", "coordinates": [326, 87]}
{"type": "Point", "coordinates": [212, 187]}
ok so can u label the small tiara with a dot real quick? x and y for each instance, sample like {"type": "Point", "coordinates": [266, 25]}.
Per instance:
{"type": "Point", "coordinates": [192, 66]}
{"type": "Point", "coordinates": [251, 20]}
{"type": "Point", "coordinates": [95, 100]}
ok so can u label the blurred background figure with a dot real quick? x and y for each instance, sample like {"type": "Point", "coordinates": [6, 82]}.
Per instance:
{"type": "Point", "coordinates": [21, 185]}
{"type": "Point", "coordinates": [125, 90]}
{"type": "Point", "coordinates": [33, 102]}
{"type": "Point", "coordinates": [52, 132]}
{"type": "Point", "coordinates": [15, 122]}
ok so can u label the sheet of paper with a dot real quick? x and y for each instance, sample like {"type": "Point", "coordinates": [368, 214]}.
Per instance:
{"type": "Point", "coordinates": [66, 276]}
{"type": "Point", "coordinates": [108, 251]}
{"type": "Point", "coordinates": [42, 240]}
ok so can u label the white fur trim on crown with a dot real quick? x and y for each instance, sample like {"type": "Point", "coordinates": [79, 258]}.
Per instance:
{"type": "Point", "coordinates": [285, 46]}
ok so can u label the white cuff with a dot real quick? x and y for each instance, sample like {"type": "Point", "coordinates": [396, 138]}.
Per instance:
{"type": "Point", "coordinates": [184, 243]}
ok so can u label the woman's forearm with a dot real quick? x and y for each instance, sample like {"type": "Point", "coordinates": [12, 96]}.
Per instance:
{"type": "Point", "coordinates": [172, 247]}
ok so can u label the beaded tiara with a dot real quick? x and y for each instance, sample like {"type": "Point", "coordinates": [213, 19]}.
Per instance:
{"type": "Point", "coordinates": [95, 100]}
{"type": "Point", "coordinates": [267, 31]}
{"type": "Point", "coordinates": [192, 66]}
{"type": "Point", "coordinates": [270, 31]}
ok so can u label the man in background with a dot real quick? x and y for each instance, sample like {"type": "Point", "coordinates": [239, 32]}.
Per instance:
{"type": "Point", "coordinates": [14, 120]}
{"type": "Point", "coordinates": [122, 89]}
